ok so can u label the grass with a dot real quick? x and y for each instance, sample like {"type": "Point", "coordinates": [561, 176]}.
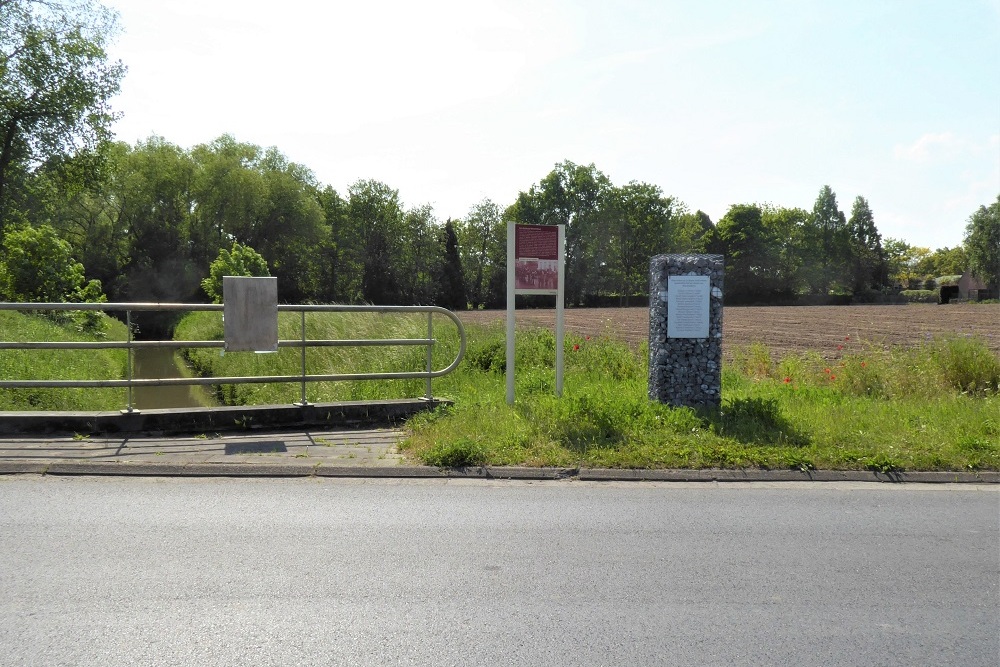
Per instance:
{"type": "Point", "coordinates": [60, 364]}
{"type": "Point", "coordinates": [932, 407]}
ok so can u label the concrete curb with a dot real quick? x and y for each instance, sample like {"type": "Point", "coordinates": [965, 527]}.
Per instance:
{"type": "Point", "coordinates": [264, 470]}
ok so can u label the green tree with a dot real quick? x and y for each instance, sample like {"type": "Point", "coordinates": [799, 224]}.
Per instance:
{"type": "Point", "coordinates": [38, 266]}
{"type": "Point", "coordinates": [760, 247]}
{"type": "Point", "coordinates": [451, 292]}
{"type": "Point", "coordinates": [240, 260]}
{"type": "Point", "coordinates": [55, 85]}
{"type": "Point", "coordinates": [482, 246]}
{"type": "Point", "coordinates": [867, 262]}
{"type": "Point", "coordinates": [575, 196]}
{"type": "Point", "coordinates": [826, 245]}
{"type": "Point", "coordinates": [982, 244]}
{"type": "Point", "coordinates": [419, 257]}
{"type": "Point", "coordinates": [375, 214]}
{"type": "Point", "coordinates": [640, 226]}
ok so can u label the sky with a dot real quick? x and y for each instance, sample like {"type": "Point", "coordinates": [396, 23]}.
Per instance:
{"type": "Point", "coordinates": [717, 102]}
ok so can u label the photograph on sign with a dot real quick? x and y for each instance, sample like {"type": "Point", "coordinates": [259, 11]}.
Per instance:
{"type": "Point", "coordinates": [688, 306]}
{"type": "Point", "coordinates": [536, 276]}
{"type": "Point", "coordinates": [536, 259]}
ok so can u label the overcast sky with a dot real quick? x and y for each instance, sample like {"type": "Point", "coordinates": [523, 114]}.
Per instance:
{"type": "Point", "coordinates": [718, 102]}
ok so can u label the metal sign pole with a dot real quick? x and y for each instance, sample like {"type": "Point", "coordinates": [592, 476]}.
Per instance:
{"type": "Point", "coordinates": [510, 313]}
{"type": "Point", "coordinates": [560, 303]}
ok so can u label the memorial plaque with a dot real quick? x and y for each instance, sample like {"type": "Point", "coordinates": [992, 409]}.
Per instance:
{"type": "Point", "coordinates": [536, 254]}
{"type": "Point", "coordinates": [688, 306]}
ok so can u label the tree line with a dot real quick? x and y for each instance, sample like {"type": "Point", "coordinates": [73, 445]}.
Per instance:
{"type": "Point", "coordinates": [146, 222]}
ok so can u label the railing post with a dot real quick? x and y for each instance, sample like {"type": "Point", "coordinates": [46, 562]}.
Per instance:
{"type": "Point", "coordinates": [128, 356]}
{"type": "Point", "coordinates": [302, 401]}
{"type": "Point", "coordinates": [430, 354]}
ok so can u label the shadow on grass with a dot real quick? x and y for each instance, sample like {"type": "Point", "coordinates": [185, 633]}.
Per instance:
{"type": "Point", "coordinates": [754, 421]}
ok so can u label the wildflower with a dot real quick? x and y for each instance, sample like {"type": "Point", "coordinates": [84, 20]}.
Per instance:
{"type": "Point", "coordinates": [847, 338]}
{"type": "Point", "coordinates": [840, 347]}
{"type": "Point", "coordinates": [787, 380]}
{"type": "Point", "coordinates": [588, 337]}
{"type": "Point", "coordinates": [833, 377]}
{"type": "Point", "coordinates": [863, 364]}
{"type": "Point", "coordinates": [576, 348]}
{"type": "Point", "coordinates": [826, 370]}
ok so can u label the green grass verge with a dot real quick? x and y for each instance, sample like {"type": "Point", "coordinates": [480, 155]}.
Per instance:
{"type": "Point", "coordinates": [60, 364]}
{"type": "Point", "coordinates": [935, 407]}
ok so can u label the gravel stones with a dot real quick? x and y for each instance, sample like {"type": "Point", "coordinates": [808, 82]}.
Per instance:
{"type": "Point", "coordinates": [685, 371]}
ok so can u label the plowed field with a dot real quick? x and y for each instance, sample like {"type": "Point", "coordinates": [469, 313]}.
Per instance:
{"type": "Point", "coordinates": [789, 329]}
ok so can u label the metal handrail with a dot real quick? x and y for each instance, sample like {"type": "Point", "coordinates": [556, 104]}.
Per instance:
{"type": "Point", "coordinates": [130, 345]}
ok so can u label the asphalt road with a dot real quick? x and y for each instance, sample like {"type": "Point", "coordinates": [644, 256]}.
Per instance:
{"type": "Point", "coordinates": [139, 571]}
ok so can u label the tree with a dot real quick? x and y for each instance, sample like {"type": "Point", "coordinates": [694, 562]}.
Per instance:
{"type": "Point", "coordinates": [826, 244]}
{"type": "Point", "coordinates": [240, 260]}
{"type": "Point", "coordinates": [451, 292]}
{"type": "Point", "coordinates": [640, 227]}
{"type": "Point", "coordinates": [55, 85]}
{"type": "Point", "coordinates": [982, 244]}
{"type": "Point", "coordinates": [38, 266]}
{"type": "Point", "coordinates": [482, 247]}
{"type": "Point", "coordinates": [867, 264]}
{"type": "Point", "coordinates": [375, 214]}
{"type": "Point", "coordinates": [753, 243]}
{"type": "Point", "coordinates": [575, 196]}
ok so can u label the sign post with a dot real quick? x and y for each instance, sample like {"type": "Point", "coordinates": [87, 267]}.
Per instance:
{"type": "Point", "coordinates": [536, 264]}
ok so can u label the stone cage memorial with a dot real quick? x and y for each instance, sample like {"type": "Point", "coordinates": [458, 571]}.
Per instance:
{"type": "Point", "coordinates": [685, 329]}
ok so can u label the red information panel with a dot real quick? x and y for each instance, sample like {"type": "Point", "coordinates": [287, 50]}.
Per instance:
{"type": "Point", "coordinates": [536, 259]}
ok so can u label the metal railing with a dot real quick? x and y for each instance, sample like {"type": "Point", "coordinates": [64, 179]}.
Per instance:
{"type": "Point", "coordinates": [131, 345]}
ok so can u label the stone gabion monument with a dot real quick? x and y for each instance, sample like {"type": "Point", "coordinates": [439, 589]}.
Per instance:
{"type": "Point", "coordinates": [685, 329]}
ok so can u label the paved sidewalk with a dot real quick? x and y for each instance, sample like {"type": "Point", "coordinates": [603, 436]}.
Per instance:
{"type": "Point", "coordinates": [354, 447]}
{"type": "Point", "coordinates": [349, 453]}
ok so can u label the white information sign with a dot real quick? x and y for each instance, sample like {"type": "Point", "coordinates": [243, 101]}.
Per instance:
{"type": "Point", "coordinates": [688, 306]}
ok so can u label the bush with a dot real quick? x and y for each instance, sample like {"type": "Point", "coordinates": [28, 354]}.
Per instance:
{"type": "Point", "coordinates": [920, 295]}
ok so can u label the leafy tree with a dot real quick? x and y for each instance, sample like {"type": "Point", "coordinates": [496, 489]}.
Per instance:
{"type": "Point", "coordinates": [826, 244]}
{"type": "Point", "coordinates": [867, 263]}
{"type": "Point", "coordinates": [761, 249]}
{"type": "Point", "coordinates": [420, 256]}
{"type": "Point", "coordinates": [55, 85]}
{"type": "Point", "coordinates": [340, 259]}
{"type": "Point", "coordinates": [483, 251]}
{"type": "Point", "coordinates": [982, 244]}
{"type": "Point", "coordinates": [944, 262]}
{"type": "Point", "coordinates": [575, 196]}
{"type": "Point", "coordinates": [38, 266]}
{"type": "Point", "coordinates": [451, 292]}
{"type": "Point", "coordinates": [691, 231]}
{"type": "Point", "coordinates": [640, 224]}
{"type": "Point", "coordinates": [240, 260]}
{"type": "Point", "coordinates": [376, 216]}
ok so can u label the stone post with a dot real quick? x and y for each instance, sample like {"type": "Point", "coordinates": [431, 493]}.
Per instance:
{"type": "Point", "coordinates": [685, 329]}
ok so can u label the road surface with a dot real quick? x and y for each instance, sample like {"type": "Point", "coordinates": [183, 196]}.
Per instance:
{"type": "Point", "coordinates": [160, 571]}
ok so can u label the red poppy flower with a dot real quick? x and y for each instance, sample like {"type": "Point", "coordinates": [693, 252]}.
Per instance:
{"type": "Point", "coordinates": [840, 347]}
{"type": "Point", "coordinates": [787, 380]}
{"type": "Point", "coordinates": [847, 338]}
{"type": "Point", "coordinates": [576, 347]}
{"type": "Point", "coordinates": [833, 377]}
{"type": "Point", "coordinates": [826, 370]}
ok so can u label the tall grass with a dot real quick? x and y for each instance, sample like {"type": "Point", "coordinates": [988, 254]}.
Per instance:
{"type": "Point", "coordinates": [934, 407]}
{"type": "Point", "coordinates": [323, 360]}
{"type": "Point", "coordinates": [60, 364]}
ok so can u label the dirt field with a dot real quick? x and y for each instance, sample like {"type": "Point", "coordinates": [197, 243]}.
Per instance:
{"type": "Point", "coordinates": [789, 329]}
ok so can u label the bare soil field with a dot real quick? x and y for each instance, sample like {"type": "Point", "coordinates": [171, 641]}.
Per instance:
{"type": "Point", "coordinates": [788, 329]}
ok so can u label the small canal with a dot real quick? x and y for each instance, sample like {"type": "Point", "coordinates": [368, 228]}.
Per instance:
{"type": "Point", "coordinates": [154, 362]}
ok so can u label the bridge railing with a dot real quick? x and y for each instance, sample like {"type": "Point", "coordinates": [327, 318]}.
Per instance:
{"type": "Point", "coordinates": [130, 382]}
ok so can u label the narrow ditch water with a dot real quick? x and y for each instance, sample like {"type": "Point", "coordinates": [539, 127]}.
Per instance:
{"type": "Point", "coordinates": [153, 362]}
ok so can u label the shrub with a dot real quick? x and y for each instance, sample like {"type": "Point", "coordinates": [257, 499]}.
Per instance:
{"type": "Point", "coordinates": [919, 295]}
